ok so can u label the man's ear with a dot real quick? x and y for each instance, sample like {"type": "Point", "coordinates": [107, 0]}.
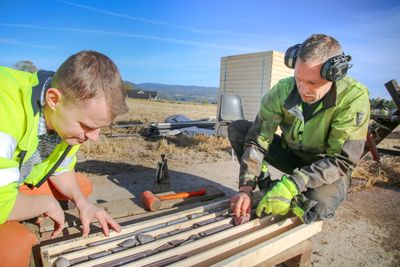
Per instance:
{"type": "Point", "coordinates": [52, 97]}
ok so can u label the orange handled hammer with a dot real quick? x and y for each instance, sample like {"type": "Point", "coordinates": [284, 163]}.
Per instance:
{"type": "Point", "coordinates": [153, 202]}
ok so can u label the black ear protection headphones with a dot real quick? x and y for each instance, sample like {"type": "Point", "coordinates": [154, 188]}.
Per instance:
{"type": "Point", "coordinates": [334, 69]}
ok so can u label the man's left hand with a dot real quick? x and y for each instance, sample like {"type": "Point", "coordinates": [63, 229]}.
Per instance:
{"type": "Point", "coordinates": [277, 199]}
{"type": "Point", "coordinates": [88, 211]}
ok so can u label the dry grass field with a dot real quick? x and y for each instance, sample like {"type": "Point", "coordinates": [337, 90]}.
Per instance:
{"type": "Point", "coordinates": [136, 152]}
{"type": "Point", "coordinates": [156, 111]}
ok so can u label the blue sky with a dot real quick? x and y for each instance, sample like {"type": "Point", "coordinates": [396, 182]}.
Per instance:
{"type": "Point", "coordinates": [182, 42]}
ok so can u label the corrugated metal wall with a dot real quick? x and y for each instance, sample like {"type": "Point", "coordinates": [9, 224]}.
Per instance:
{"type": "Point", "coordinates": [250, 76]}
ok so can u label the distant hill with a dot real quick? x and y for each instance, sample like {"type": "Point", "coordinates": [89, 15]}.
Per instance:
{"type": "Point", "coordinates": [190, 93]}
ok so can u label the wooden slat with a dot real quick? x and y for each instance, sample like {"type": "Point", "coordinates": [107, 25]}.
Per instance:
{"type": "Point", "coordinates": [80, 241]}
{"type": "Point", "coordinates": [128, 207]}
{"type": "Point", "coordinates": [206, 257]}
{"type": "Point", "coordinates": [208, 244]}
{"type": "Point", "coordinates": [247, 56]}
{"type": "Point", "coordinates": [106, 246]}
{"type": "Point", "coordinates": [261, 252]}
{"type": "Point", "coordinates": [246, 83]}
{"type": "Point", "coordinates": [243, 91]}
{"type": "Point", "coordinates": [244, 64]}
{"type": "Point", "coordinates": [299, 255]}
{"type": "Point", "coordinates": [153, 244]}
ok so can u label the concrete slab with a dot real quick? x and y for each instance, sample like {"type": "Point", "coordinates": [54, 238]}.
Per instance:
{"type": "Point", "coordinates": [223, 175]}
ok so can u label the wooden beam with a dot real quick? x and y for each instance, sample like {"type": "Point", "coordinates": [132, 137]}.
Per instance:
{"type": "Point", "coordinates": [80, 241]}
{"type": "Point", "coordinates": [199, 251]}
{"type": "Point", "coordinates": [303, 250]}
{"type": "Point", "coordinates": [272, 247]}
{"type": "Point", "coordinates": [128, 207]}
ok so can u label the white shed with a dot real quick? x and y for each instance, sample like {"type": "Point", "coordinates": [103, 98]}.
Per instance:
{"type": "Point", "coordinates": [250, 76]}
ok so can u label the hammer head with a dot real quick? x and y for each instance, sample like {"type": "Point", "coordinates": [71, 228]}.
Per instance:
{"type": "Point", "coordinates": [151, 201]}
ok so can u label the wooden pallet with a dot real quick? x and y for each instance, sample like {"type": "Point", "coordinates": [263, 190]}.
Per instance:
{"type": "Point", "coordinates": [202, 236]}
{"type": "Point", "coordinates": [121, 209]}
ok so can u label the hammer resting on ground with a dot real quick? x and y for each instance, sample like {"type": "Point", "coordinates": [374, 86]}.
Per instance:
{"type": "Point", "coordinates": [153, 202]}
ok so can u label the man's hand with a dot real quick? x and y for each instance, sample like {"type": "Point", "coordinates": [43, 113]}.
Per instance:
{"type": "Point", "coordinates": [241, 202]}
{"type": "Point", "coordinates": [57, 215]}
{"type": "Point", "coordinates": [277, 200]}
{"type": "Point", "coordinates": [87, 212]}
{"type": "Point", "coordinates": [28, 207]}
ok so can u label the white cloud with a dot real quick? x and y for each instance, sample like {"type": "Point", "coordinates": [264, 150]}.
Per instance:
{"type": "Point", "coordinates": [9, 41]}
{"type": "Point", "coordinates": [131, 35]}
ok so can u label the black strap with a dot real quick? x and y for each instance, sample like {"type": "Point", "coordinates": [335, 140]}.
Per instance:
{"type": "Point", "coordinates": [42, 75]}
{"type": "Point", "coordinates": [52, 170]}
{"type": "Point", "coordinates": [22, 155]}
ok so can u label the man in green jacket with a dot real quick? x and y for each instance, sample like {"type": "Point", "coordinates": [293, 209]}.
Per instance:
{"type": "Point", "coordinates": [45, 116]}
{"type": "Point", "coordinates": [323, 116]}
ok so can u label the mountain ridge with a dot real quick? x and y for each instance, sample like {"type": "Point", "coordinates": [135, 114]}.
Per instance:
{"type": "Point", "coordinates": [190, 93]}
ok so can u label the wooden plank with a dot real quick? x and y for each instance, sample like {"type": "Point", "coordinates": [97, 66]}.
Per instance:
{"type": "Point", "coordinates": [166, 229]}
{"type": "Point", "coordinates": [210, 242]}
{"type": "Point", "coordinates": [49, 251]}
{"type": "Point", "coordinates": [303, 249]}
{"type": "Point", "coordinates": [213, 249]}
{"type": "Point", "coordinates": [244, 89]}
{"type": "Point", "coordinates": [272, 247]}
{"type": "Point", "coordinates": [246, 94]}
{"type": "Point", "coordinates": [231, 248]}
{"type": "Point", "coordinates": [243, 82]}
{"type": "Point", "coordinates": [153, 244]}
{"type": "Point", "coordinates": [129, 207]}
{"type": "Point", "coordinates": [248, 56]}
{"type": "Point", "coordinates": [261, 64]}
{"type": "Point", "coordinates": [80, 241]}
{"type": "Point", "coordinates": [255, 74]}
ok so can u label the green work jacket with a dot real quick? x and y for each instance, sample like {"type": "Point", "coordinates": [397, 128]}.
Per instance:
{"type": "Point", "coordinates": [331, 141]}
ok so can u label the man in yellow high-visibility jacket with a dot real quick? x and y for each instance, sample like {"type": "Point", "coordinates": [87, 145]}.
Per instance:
{"type": "Point", "coordinates": [45, 116]}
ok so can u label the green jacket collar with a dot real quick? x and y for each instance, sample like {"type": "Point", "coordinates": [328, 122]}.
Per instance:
{"type": "Point", "coordinates": [293, 102]}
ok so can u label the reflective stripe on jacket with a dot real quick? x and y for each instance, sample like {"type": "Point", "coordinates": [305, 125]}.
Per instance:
{"type": "Point", "coordinates": [332, 140]}
{"type": "Point", "coordinates": [19, 113]}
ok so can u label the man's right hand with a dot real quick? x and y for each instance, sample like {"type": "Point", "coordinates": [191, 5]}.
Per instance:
{"type": "Point", "coordinates": [57, 215]}
{"type": "Point", "coordinates": [27, 207]}
{"type": "Point", "coordinates": [241, 202]}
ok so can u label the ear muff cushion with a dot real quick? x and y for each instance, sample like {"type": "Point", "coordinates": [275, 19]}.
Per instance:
{"type": "Point", "coordinates": [335, 68]}
{"type": "Point", "coordinates": [291, 56]}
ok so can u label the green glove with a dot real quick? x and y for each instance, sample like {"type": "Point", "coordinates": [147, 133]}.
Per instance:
{"type": "Point", "coordinates": [277, 199]}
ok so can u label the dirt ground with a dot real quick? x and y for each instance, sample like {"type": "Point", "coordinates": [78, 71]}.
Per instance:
{"type": "Point", "coordinates": [364, 232]}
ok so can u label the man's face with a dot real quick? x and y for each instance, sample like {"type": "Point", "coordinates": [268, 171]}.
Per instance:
{"type": "Point", "coordinates": [78, 122]}
{"type": "Point", "coordinates": [311, 86]}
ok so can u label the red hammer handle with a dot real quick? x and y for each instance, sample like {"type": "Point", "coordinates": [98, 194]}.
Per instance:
{"type": "Point", "coordinates": [201, 192]}
{"type": "Point", "coordinates": [372, 147]}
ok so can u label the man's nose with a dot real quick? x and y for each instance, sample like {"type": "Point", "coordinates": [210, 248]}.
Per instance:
{"type": "Point", "coordinates": [93, 134]}
{"type": "Point", "coordinates": [303, 88]}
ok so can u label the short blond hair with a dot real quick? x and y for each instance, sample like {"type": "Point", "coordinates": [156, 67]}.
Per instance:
{"type": "Point", "coordinates": [88, 74]}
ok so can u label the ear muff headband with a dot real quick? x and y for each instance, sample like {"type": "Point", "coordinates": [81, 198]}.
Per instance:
{"type": "Point", "coordinates": [291, 56]}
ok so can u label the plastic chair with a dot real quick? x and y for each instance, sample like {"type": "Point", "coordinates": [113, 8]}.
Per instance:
{"type": "Point", "coordinates": [230, 109]}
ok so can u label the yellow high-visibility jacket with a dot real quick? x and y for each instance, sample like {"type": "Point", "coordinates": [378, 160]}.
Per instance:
{"type": "Point", "coordinates": [19, 121]}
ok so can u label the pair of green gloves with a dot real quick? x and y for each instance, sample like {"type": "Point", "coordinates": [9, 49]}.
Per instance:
{"type": "Point", "coordinates": [277, 200]}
